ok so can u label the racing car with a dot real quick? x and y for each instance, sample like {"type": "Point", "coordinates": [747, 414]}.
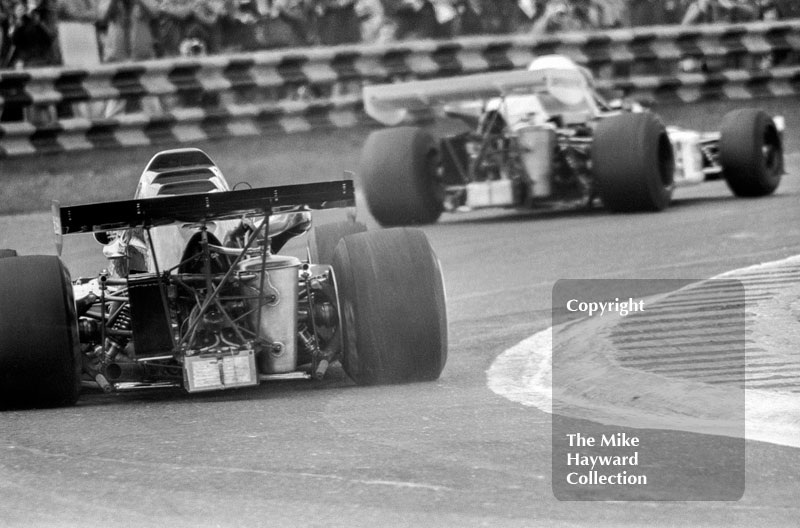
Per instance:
{"type": "Point", "coordinates": [196, 295]}
{"type": "Point", "coordinates": [546, 137]}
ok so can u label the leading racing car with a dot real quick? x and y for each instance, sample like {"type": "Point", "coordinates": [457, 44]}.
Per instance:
{"type": "Point", "coordinates": [543, 137]}
{"type": "Point", "coordinates": [196, 294]}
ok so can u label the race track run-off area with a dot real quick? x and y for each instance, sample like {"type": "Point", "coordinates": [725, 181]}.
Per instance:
{"type": "Point", "coordinates": [662, 376]}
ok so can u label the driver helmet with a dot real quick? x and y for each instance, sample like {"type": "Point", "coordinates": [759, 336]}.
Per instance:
{"type": "Point", "coordinates": [560, 62]}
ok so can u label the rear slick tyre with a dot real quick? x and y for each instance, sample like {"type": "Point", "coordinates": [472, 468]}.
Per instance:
{"type": "Point", "coordinates": [399, 174]}
{"type": "Point", "coordinates": [40, 361]}
{"type": "Point", "coordinates": [633, 163]}
{"type": "Point", "coordinates": [393, 309]}
{"type": "Point", "coordinates": [325, 238]}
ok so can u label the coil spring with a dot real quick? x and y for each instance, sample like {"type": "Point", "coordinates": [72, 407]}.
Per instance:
{"type": "Point", "coordinates": [122, 322]}
{"type": "Point", "coordinates": [307, 341]}
{"type": "Point", "coordinates": [575, 161]}
{"type": "Point", "coordinates": [711, 154]}
{"type": "Point", "coordinates": [115, 343]}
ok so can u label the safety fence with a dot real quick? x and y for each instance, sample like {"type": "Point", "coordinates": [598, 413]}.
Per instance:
{"type": "Point", "coordinates": [190, 100]}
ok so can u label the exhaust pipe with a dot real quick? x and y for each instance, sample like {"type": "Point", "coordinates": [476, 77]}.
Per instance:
{"type": "Point", "coordinates": [125, 372]}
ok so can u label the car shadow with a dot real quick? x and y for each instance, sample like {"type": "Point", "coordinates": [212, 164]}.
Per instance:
{"type": "Point", "coordinates": [687, 202]}
{"type": "Point", "coordinates": [489, 216]}
{"type": "Point", "coordinates": [500, 216]}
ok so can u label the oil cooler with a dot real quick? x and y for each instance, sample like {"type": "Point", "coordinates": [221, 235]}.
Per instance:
{"type": "Point", "coordinates": [277, 319]}
{"type": "Point", "coordinates": [537, 148]}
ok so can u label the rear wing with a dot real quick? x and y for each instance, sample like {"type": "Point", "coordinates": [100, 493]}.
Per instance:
{"type": "Point", "coordinates": [392, 103]}
{"type": "Point", "coordinates": [150, 212]}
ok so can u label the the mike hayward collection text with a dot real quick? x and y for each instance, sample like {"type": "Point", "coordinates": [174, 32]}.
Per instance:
{"type": "Point", "coordinates": [594, 469]}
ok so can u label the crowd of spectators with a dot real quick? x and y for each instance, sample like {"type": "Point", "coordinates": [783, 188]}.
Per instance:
{"type": "Point", "coordinates": [51, 32]}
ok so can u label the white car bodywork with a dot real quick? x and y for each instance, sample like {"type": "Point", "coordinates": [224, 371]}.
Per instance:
{"type": "Point", "coordinates": [171, 173]}
{"type": "Point", "coordinates": [169, 242]}
{"type": "Point", "coordinates": [570, 91]}
{"type": "Point", "coordinates": [551, 85]}
{"type": "Point", "coordinates": [168, 173]}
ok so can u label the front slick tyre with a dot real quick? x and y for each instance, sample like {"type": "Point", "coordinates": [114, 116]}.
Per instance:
{"type": "Point", "coordinates": [392, 306]}
{"type": "Point", "coordinates": [39, 350]}
{"type": "Point", "coordinates": [633, 163]}
{"type": "Point", "coordinates": [751, 153]}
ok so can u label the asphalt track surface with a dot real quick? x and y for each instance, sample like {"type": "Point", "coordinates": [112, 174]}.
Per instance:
{"type": "Point", "coordinates": [447, 453]}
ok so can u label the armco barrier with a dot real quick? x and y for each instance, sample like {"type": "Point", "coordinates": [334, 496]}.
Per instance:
{"type": "Point", "coordinates": [301, 89]}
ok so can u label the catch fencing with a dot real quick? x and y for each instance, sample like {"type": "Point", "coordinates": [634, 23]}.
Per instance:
{"type": "Point", "coordinates": [188, 100]}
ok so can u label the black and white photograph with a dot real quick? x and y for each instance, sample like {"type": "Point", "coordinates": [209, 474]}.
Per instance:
{"type": "Point", "coordinates": [399, 263]}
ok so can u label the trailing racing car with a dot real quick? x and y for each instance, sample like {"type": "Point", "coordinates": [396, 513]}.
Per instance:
{"type": "Point", "coordinates": [545, 136]}
{"type": "Point", "coordinates": [196, 294]}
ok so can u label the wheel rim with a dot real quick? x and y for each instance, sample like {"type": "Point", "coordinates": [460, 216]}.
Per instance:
{"type": "Point", "coordinates": [666, 162]}
{"type": "Point", "coordinates": [770, 151]}
{"type": "Point", "coordinates": [435, 174]}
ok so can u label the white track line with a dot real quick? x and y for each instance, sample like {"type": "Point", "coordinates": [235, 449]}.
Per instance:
{"type": "Point", "coordinates": [523, 374]}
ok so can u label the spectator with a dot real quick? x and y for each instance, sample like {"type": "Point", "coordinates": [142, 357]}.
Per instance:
{"type": "Point", "coordinates": [77, 10]}
{"type": "Point", "coordinates": [375, 28]}
{"type": "Point", "coordinates": [446, 18]}
{"type": "Point", "coordinates": [711, 11]}
{"type": "Point", "coordinates": [240, 29]}
{"type": "Point", "coordinates": [482, 17]}
{"type": "Point", "coordinates": [647, 13]}
{"type": "Point", "coordinates": [615, 12]}
{"type": "Point", "coordinates": [285, 25]}
{"type": "Point", "coordinates": [80, 48]}
{"type": "Point", "coordinates": [336, 22]}
{"type": "Point", "coordinates": [570, 15]}
{"type": "Point", "coordinates": [32, 35]}
{"type": "Point", "coordinates": [675, 10]}
{"type": "Point", "coordinates": [7, 112]}
{"type": "Point", "coordinates": [656, 12]}
{"type": "Point", "coordinates": [29, 42]}
{"type": "Point", "coordinates": [468, 21]}
{"type": "Point", "coordinates": [128, 33]}
{"type": "Point", "coordinates": [596, 14]}
{"type": "Point", "coordinates": [529, 12]}
{"type": "Point", "coordinates": [779, 9]}
{"type": "Point", "coordinates": [191, 27]}
{"type": "Point", "coordinates": [129, 37]}
{"type": "Point", "coordinates": [77, 34]}
{"type": "Point", "coordinates": [724, 11]}
{"type": "Point", "coordinates": [495, 17]}
{"type": "Point", "coordinates": [415, 19]}
{"type": "Point", "coordinates": [6, 21]}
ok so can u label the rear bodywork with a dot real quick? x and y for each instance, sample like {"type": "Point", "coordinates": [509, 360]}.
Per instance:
{"type": "Point", "coordinates": [195, 294]}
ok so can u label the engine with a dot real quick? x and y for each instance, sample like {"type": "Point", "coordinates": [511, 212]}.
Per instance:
{"type": "Point", "coordinates": [226, 317]}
